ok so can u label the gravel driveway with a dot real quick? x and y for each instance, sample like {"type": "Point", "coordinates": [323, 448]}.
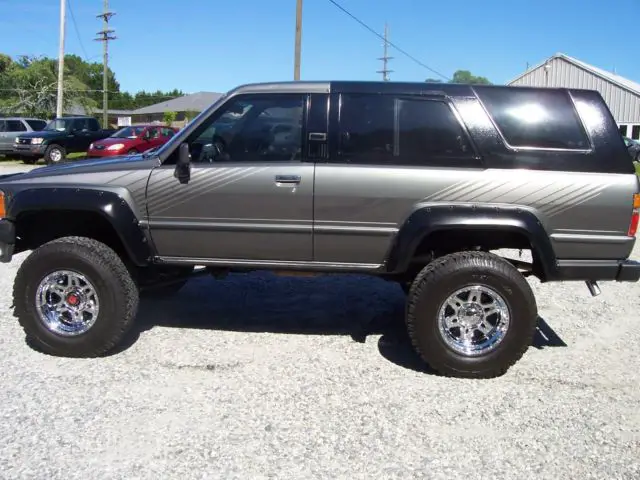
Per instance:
{"type": "Point", "coordinates": [259, 376]}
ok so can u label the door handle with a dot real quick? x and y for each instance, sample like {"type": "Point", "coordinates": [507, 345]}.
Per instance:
{"type": "Point", "coordinates": [288, 179]}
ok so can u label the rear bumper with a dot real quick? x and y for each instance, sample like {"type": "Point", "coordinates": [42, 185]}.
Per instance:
{"type": "Point", "coordinates": [613, 270]}
{"type": "Point", "coordinates": [7, 240]}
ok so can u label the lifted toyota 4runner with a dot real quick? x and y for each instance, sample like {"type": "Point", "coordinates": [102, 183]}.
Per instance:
{"type": "Point", "coordinates": [416, 183]}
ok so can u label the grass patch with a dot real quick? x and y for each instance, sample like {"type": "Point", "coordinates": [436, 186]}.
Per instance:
{"type": "Point", "coordinates": [638, 168]}
{"type": "Point", "coordinates": [9, 160]}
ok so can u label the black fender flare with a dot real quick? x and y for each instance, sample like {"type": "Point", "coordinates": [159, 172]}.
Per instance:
{"type": "Point", "coordinates": [111, 204]}
{"type": "Point", "coordinates": [429, 219]}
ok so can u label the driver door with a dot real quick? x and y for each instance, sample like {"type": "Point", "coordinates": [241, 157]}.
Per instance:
{"type": "Point", "coordinates": [250, 192]}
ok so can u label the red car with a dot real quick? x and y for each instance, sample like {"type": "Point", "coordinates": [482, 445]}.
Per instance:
{"type": "Point", "coordinates": [131, 140]}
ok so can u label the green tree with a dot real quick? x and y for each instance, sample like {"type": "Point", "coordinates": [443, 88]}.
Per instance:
{"type": "Point", "coordinates": [30, 88]}
{"type": "Point", "coordinates": [463, 76]}
{"type": "Point", "coordinates": [169, 118]}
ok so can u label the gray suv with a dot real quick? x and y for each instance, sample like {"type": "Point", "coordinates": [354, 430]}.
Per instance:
{"type": "Point", "coordinates": [415, 183]}
{"type": "Point", "coordinates": [10, 128]}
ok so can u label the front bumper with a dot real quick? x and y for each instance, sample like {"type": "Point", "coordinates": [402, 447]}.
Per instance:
{"type": "Point", "coordinates": [29, 150]}
{"type": "Point", "coordinates": [612, 270]}
{"type": "Point", "coordinates": [7, 240]}
{"type": "Point", "coordinates": [93, 153]}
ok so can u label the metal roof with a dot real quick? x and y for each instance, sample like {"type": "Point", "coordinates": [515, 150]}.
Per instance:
{"type": "Point", "coordinates": [608, 76]}
{"type": "Point", "coordinates": [196, 101]}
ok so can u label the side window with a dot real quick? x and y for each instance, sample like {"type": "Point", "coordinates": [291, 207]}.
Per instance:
{"type": "Point", "coordinates": [93, 125]}
{"type": "Point", "coordinates": [428, 129]}
{"type": "Point", "coordinates": [535, 118]}
{"type": "Point", "coordinates": [153, 133]}
{"type": "Point", "coordinates": [15, 126]}
{"type": "Point", "coordinates": [251, 128]}
{"type": "Point", "coordinates": [3, 126]}
{"type": "Point", "coordinates": [36, 125]}
{"type": "Point", "coordinates": [385, 129]}
{"type": "Point", "coordinates": [80, 124]}
{"type": "Point", "coordinates": [167, 132]}
{"type": "Point", "coordinates": [367, 129]}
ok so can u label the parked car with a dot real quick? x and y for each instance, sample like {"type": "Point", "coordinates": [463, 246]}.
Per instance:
{"type": "Point", "coordinates": [11, 127]}
{"type": "Point", "coordinates": [633, 146]}
{"type": "Point", "coordinates": [131, 140]}
{"type": "Point", "coordinates": [414, 183]}
{"type": "Point", "coordinates": [60, 137]}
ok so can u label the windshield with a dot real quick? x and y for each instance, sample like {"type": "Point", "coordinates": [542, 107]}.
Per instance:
{"type": "Point", "coordinates": [128, 132]}
{"type": "Point", "coordinates": [59, 124]}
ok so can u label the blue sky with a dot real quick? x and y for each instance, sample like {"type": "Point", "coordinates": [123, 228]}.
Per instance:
{"type": "Point", "coordinates": [212, 45]}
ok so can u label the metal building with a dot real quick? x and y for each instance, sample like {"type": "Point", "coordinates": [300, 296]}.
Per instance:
{"type": "Point", "coordinates": [622, 95]}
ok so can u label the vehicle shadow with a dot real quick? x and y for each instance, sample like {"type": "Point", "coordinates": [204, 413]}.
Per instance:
{"type": "Point", "coordinates": [349, 305]}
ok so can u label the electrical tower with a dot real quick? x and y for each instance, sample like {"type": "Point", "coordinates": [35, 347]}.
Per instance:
{"type": "Point", "coordinates": [105, 35]}
{"type": "Point", "coordinates": [385, 57]}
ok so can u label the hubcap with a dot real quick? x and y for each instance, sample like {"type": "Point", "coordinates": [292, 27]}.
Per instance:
{"type": "Point", "coordinates": [67, 303]}
{"type": "Point", "coordinates": [56, 155]}
{"type": "Point", "coordinates": [473, 320]}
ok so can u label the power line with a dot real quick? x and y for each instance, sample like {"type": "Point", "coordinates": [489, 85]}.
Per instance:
{"type": "Point", "coordinates": [75, 26]}
{"type": "Point", "coordinates": [91, 91]}
{"type": "Point", "coordinates": [405, 53]}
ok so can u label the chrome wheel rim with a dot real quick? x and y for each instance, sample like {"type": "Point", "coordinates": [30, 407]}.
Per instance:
{"type": "Point", "coordinates": [474, 320]}
{"type": "Point", "coordinates": [56, 155]}
{"type": "Point", "coordinates": [67, 303]}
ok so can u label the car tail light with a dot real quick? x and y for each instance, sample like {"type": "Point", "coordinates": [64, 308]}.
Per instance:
{"type": "Point", "coordinates": [3, 210]}
{"type": "Point", "coordinates": [635, 215]}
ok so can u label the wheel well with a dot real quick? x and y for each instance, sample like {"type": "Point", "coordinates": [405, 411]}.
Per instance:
{"type": "Point", "coordinates": [34, 229]}
{"type": "Point", "coordinates": [443, 242]}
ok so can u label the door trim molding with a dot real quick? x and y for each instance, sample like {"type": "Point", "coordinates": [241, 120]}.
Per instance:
{"type": "Point", "coordinates": [275, 264]}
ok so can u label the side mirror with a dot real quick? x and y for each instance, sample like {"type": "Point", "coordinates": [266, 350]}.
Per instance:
{"type": "Point", "coordinates": [183, 164]}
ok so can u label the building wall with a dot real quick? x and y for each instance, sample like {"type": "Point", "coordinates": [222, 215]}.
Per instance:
{"type": "Point", "coordinates": [624, 105]}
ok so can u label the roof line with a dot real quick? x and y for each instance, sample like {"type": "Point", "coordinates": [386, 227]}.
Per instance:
{"type": "Point", "coordinates": [582, 65]}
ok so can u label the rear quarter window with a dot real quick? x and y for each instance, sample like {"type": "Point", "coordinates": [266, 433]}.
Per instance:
{"type": "Point", "coordinates": [535, 118]}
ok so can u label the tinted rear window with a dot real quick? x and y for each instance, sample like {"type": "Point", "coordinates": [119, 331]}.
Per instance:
{"type": "Point", "coordinates": [36, 124]}
{"type": "Point", "coordinates": [535, 118]}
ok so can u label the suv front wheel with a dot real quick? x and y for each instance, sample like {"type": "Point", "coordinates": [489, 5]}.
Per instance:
{"type": "Point", "coordinates": [471, 314]}
{"type": "Point", "coordinates": [74, 297]}
{"type": "Point", "coordinates": [54, 154]}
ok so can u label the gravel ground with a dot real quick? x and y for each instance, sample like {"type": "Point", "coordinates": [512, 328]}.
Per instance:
{"type": "Point", "coordinates": [259, 376]}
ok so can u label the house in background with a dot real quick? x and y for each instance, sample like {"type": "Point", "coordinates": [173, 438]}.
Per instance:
{"type": "Point", "coordinates": [621, 94]}
{"type": "Point", "coordinates": [183, 106]}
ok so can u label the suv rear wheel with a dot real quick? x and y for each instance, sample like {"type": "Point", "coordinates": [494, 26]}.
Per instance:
{"type": "Point", "coordinates": [471, 314]}
{"type": "Point", "coordinates": [74, 297]}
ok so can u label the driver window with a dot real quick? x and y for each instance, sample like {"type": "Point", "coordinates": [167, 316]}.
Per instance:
{"type": "Point", "coordinates": [263, 128]}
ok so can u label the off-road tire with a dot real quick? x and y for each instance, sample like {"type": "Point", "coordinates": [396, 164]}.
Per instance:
{"type": "Point", "coordinates": [52, 148]}
{"type": "Point", "coordinates": [444, 276]}
{"type": "Point", "coordinates": [116, 290]}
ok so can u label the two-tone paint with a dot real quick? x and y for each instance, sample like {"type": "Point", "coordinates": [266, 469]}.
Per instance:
{"type": "Point", "coordinates": [574, 207]}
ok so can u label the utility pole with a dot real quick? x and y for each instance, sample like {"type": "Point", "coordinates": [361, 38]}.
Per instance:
{"type": "Point", "coordinates": [296, 67]}
{"type": "Point", "coordinates": [385, 57]}
{"type": "Point", "coordinates": [63, 14]}
{"type": "Point", "coordinates": [104, 36]}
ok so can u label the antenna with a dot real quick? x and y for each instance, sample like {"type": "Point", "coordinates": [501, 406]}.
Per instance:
{"type": "Point", "coordinates": [385, 57]}
{"type": "Point", "coordinates": [105, 35]}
